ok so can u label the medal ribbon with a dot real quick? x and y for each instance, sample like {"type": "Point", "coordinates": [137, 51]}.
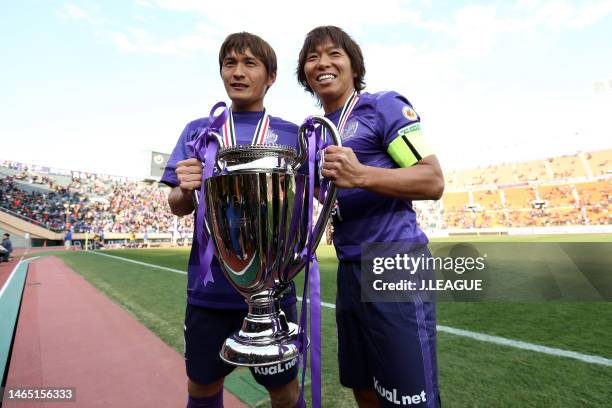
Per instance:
{"type": "Point", "coordinates": [229, 132]}
{"type": "Point", "coordinates": [348, 107]}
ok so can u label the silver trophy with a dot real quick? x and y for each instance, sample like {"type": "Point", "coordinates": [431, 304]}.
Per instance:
{"type": "Point", "coordinates": [257, 215]}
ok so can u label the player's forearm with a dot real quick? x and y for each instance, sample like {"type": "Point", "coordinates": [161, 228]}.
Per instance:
{"type": "Point", "coordinates": [423, 181]}
{"type": "Point", "coordinates": [181, 201]}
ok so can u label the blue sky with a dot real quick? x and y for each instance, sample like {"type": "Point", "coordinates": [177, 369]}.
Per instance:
{"type": "Point", "coordinates": [95, 85]}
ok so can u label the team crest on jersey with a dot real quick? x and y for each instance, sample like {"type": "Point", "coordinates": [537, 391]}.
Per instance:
{"type": "Point", "coordinates": [271, 137]}
{"type": "Point", "coordinates": [409, 113]}
{"type": "Point", "coordinates": [349, 129]}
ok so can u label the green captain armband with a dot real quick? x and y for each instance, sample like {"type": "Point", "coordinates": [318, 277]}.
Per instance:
{"type": "Point", "coordinates": [410, 146]}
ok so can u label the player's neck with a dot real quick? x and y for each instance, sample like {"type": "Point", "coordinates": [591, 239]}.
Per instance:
{"type": "Point", "coordinates": [334, 104]}
{"type": "Point", "coordinates": [255, 106]}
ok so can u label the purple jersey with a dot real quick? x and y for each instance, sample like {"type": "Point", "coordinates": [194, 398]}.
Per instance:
{"type": "Point", "coordinates": [221, 294]}
{"type": "Point", "coordinates": [363, 216]}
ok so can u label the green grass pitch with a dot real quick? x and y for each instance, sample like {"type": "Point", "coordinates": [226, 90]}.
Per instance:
{"type": "Point", "coordinates": [471, 373]}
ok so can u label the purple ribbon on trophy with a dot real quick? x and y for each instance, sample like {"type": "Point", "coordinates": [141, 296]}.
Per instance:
{"type": "Point", "coordinates": [204, 147]}
{"type": "Point", "coordinates": [312, 277]}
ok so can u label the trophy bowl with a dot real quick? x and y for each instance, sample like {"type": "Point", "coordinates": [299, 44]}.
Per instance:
{"type": "Point", "coordinates": [257, 215]}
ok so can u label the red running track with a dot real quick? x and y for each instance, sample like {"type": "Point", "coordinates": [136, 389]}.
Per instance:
{"type": "Point", "coordinates": [71, 335]}
{"type": "Point", "coordinates": [7, 267]}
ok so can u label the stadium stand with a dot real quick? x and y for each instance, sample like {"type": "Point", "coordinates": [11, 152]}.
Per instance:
{"type": "Point", "coordinates": [488, 199]}
{"type": "Point", "coordinates": [532, 171]}
{"type": "Point", "coordinates": [600, 163]}
{"type": "Point", "coordinates": [567, 167]}
{"type": "Point", "coordinates": [519, 198]}
{"type": "Point", "coordinates": [558, 196]}
{"type": "Point", "coordinates": [87, 202]}
{"type": "Point", "coordinates": [456, 201]}
{"type": "Point", "coordinates": [570, 190]}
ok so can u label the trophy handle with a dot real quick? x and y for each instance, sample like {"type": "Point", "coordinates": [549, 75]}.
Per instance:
{"type": "Point", "coordinates": [196, 204]}
{"type": "Point", "coordinates": [303, 138]}
{"type": "Point", "coordinates": [330, 197]}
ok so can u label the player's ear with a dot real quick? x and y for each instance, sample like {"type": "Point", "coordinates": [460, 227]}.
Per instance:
{"type": "Point", "coordinates": [271, 79]}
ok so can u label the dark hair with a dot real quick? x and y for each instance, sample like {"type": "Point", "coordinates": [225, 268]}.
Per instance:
{"type": "Point", "coordinates": [341, 39]}
{"type": "Point", "coordinates": [239, 42]}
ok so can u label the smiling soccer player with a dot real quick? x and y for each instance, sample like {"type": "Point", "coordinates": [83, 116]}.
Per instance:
{"type": "Point", "coordinates": [384, 164]}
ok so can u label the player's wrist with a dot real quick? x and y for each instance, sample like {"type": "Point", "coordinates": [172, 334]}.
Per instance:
{"type": "Point", "coordinates": [364, 179]}
{"type": "Point", "coordinates": [186, 192]}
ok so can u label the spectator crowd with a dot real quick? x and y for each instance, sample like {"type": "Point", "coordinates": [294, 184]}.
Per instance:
{"type": "Point", "coordinates": [89, 203]}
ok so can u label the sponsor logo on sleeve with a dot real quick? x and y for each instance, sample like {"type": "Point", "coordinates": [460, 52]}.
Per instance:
{"type": "Point", "coordinates": [409, 113]}
{"type": "Point", "coordinates": [414, 128]}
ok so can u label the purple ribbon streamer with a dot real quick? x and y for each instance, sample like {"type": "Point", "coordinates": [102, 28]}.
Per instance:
{"type": "Point", "coordinates": [312, 278]}
{"type": "Point", "coordinates": [205, 147]}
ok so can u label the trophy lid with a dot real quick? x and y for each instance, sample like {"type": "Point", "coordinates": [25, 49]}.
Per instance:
{"type": "Point", "coordinates": [257, 157]}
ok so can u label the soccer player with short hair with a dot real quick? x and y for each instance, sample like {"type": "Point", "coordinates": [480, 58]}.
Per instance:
{"type": "Point", "coordinates": [215, 310]}
{"type": "Point", "coordinates": [384, 164]}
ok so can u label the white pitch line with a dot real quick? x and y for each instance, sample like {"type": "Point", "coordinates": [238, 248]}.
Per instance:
{"type": "Point", "coordinates": [324, 304]}
{"type": "Point", "coordinates": [513, 343]}
{"type": "Point", "coordinates": [587, 358]}
{"type": "Point", "coordinates": [163, 268]}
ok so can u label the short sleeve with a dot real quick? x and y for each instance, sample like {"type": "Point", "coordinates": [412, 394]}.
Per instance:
{"type": "Point", "coordinates": [400, 126]}
{"type": "Point", "coordinates": [179, 153]}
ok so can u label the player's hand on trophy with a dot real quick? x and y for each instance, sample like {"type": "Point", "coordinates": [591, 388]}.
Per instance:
{"type": "Point", "coordinates": [189, 174]}
{"type": "Point", "coordinates": [342, 167]}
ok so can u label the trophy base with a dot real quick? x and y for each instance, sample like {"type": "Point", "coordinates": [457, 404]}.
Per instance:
{"type": "Point", "coordinates": [266, 338]}
{"type": "Point", "coordinates": [241, 351]}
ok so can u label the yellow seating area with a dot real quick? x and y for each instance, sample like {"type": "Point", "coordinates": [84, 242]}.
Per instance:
{"type": "Point", "coordinates": [565, 183]}
{"type": "Point", "coordinates": [488, 199]}
{"type": "Point", "coordinates": [551, 169]}
{"type": "Point", "coordinates": [494, 174]}
{"type": "Point", "coordinates": [595, 198]}
{"type": "Point", "coordinates": [600, 162]}
{"type": "Point", "coordinates": [562, 208]}
{"type": "Point", "coordinates": [558, 196]}
{"type": "Point", "coordinates": [501, 174]}
{"type": "Point", "coordinates": [519, 197]}
{"type": "Point", "coordinates": [458, 219]}
{"type": "Point", "coordinates": [531, 171]}
{"type": "Point", "coordinates": [567, 167]}
{"type": "Point", "coordinates": [594, 192]}
{"type": "Point", "coordinates": [521, 218]}
{"type": "Point", "coordinates": [560, 217]}
{"type": "Point", "coordinates": [456, 201]}
{"type": "Point", "coordinates": [598, 215]}
{"type": "Point", "coordinates": [490, 219]}
{"type": "Point", "coordinates": [545, 217]}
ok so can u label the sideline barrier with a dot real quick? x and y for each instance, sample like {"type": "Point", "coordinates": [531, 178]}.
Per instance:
{"type": "Point", "coordinates": [553, 230]}
{"type": "Point", "coordinates": [10, 303]}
